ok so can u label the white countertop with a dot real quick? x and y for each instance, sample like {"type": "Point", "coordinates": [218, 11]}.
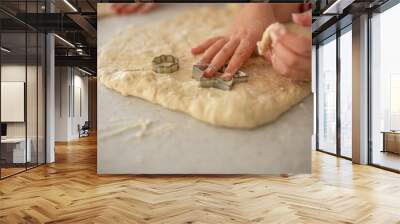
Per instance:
{"type": "Point", "coordinates": [175, 143]}
{"type": "Point", "coordinates": [13, 140]}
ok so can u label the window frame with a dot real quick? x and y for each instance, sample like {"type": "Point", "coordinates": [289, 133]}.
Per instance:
{"type": "Point", "coordinates": [29, 29]}
{"type": "Point", "coordinates": [333, 37]}
{"type": "Point", "coordinates": [381, 9]}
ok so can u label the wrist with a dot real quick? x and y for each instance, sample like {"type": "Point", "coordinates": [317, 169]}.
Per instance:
{"type": "Point", "coordinates": [260, 14]}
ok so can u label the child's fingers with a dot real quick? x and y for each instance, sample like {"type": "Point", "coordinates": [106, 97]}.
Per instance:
{"type": "Point", "coordinates": [267, 56]}
{"type": "Point", "coordinates": [292, 59]}
{"type": "Point", "coordinates": [224, 54]}
{"type": "Point", "coordinates": [212, 51]}
{"type": "Point", "coordinates": [299, 44]}
{"type": "Point", "coordinates": [279, 66]}
{"type": "Point", "coordinates": [203, 46]}
{"type": "Point", "coordinates": [303, 19]}
{"type": "Point", "coordinates": [282, 68]}
{"type": "Point", "coordinates": [210, 54]}
{"type": "Point", "coordinates": [241, 53]}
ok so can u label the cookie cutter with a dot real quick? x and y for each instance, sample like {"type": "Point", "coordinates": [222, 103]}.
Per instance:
{"type": "Point", "coordinates": [165, 64]}
{"type": "Point", "coordinates": [216, 81]}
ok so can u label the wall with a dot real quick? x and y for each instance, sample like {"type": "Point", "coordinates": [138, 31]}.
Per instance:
{"type": "Point", "coordinates": [79, 110]}
{"type": "Point", "coordinates": [33, 127]}
{"type": "Point", "coordinates": [62, 81]}
{"type": "Point", "coordinates": [17, 73]}
{"type": "Point", "coordinates": [69, 112]}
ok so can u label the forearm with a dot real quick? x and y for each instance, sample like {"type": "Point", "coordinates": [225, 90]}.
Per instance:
{"type": "Point", "coordinates": [264, 14]}
{"type": "Point", "coordinates": [260, 14]}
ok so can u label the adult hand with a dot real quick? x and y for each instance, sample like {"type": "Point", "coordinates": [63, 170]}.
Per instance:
{"type": "Point", "coordinates": [290, 53]}
{"type": "Point", "coordinates": [238, 43]}
{"type": "Point", "coordinates": [128, 8]}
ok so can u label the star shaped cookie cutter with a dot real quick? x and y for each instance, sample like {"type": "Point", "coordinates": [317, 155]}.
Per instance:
{"type": "Point", "coordinates": [216, 81]}
{"type": "Point", "coordinates": [165, 64]}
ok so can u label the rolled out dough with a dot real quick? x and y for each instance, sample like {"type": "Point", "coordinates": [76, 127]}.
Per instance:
{"type": "Point", "coordinates": [124, 65]}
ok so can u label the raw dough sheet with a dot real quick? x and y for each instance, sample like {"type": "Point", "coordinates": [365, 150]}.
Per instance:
{"type": "Point", "coordinates": [259, 101]}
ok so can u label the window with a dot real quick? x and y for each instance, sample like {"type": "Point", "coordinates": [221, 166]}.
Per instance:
{"type": "Point", "coordinates": [385, 89]}
{"type": "Point", "coordinates": [327, 96]}
{"type": "Point", "coordinates": [22, 88]}
{"type": "Point", "coordinates": [394, 102]}
{"type": "Point", "coordinates": [346, 75]}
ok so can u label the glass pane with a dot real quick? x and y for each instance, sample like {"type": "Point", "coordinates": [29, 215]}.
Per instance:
{"type": "Point", "coordinates": [345, 94]}
{"type": "Point", "coordinates": [385, 89]}
{"type": "Point", "coordinates": [327, 97]}
{"type": "Point", "coordinates": [13, 86]}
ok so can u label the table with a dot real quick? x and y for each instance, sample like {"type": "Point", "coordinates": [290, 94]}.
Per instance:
{"type": "Point", "coordinates": [391, 141]}
{"type": "Point", "coordinates": [13, 150]}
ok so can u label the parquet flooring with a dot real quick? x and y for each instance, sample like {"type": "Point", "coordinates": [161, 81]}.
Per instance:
{"type": "Point", "coordinates": [70, 191]}
{"type": "Point", "coordinates": [10, 171]}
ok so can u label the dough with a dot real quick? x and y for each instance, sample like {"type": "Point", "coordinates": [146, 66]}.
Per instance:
{"type": "Point", "coordinates": [124, 65]}
{"type": "Point", "coordinates": [104, 10]}
{"type": "Point", "coordinates": [268, 36]}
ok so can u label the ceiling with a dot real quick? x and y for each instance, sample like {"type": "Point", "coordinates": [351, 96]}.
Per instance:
{"type": "Point", "coordinates": [332, 15]}
{"type": "Point", "coordinates": [72, 20]}
{"type": "Point", "coordinates": [16, 43]}
{"type": "Point", "coordinates": [39, 6]}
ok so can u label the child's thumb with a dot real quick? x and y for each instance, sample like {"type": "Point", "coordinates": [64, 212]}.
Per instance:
{"type": "Point", "coordinates": [303, 19]}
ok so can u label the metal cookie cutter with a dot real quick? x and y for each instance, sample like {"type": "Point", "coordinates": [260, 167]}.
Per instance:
{"type": "Point", "coordinates": [165, 64]}
{"type": "Point", "coordinates": [216, 81]}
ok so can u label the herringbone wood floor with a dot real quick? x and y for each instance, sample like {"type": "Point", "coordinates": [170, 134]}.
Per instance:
{"type": "Point", "coordinates": [70, 191]}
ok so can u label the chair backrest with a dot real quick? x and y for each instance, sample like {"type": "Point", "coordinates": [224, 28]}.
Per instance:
{"type": "Point", "coordinates": [86, 125]}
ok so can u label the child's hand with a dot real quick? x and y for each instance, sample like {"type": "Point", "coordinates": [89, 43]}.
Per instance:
{"type": "Point", "coordinates": [128, 8]}
{"type": "Point", "coordinates": [290, 54]}
{"type": "Point", "coordinates": [237, 45]}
